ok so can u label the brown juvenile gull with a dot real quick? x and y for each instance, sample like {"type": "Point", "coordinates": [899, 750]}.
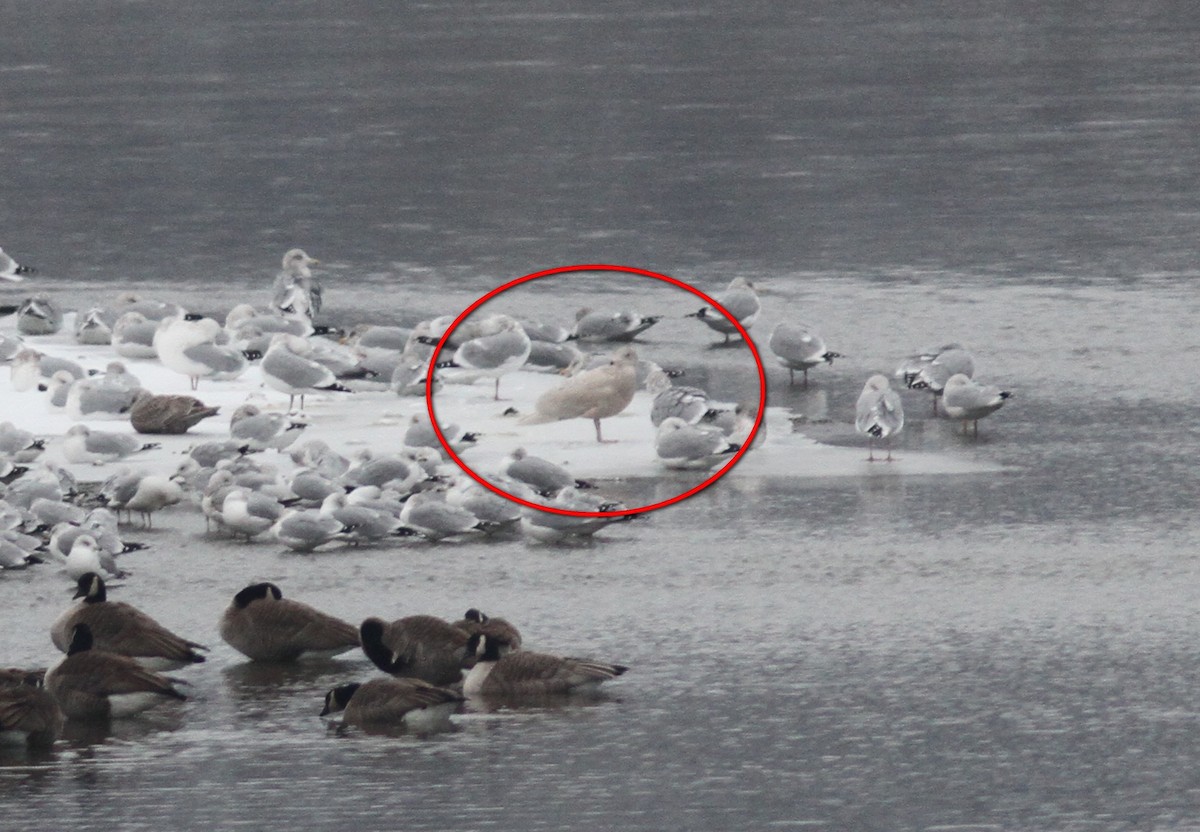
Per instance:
{"type": "Point", "coordinates": [167, 414]}
{"type": "Point", "coordinates": [593, 394]}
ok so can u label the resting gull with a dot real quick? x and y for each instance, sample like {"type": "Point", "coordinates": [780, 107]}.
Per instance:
{"type": "Point", "coordinates": [167, 414]}
{"type": "Point", "coordinates": [681, 445]}
{"type": "Point", "coordinates": [614, 326]}
{"type": "Point", "coordinates": [11, 270]}
{"type": "Point", "coordinates": [543, 476]}
{"type": "Point", "coordinates": [198, 349]}
{"type": "Point", "coordinates": [83, 445]}
{"type": "Point", "coordinates": [39, 315]}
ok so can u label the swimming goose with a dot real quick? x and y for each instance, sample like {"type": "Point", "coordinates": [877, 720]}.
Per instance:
{"type": "Point", "coordinates": [503, 673]}
{"type": "Point", "coordinates": [266, 627]}
{"type": "Point", "coordinates": [118, 627]}
{"type": "Point", "coordinates": [392, 703]}
{"type": "Point", "coordinates": [96, 684]}
{"type": "Point", "coordinates": [29, 715]}
{"type": "Point", "coordinates": [421, 646]}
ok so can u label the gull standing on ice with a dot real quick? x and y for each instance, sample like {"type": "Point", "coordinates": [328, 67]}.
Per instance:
{"type": "Point", "coordinates": [879, 414]}
{"type": "Point", "coordinates": [288, 368]}
{"type": "Point", "coordinates": [799, 348]}
{"type": "Point", "coordinates": [198, 349]}
{"type": "Point", "coordinates": [740, 300]}
{"type": "Point", "coordinates": [934, 375]}
{"type": "Point", "coordinates": [500, 347]}
{"type": "Point", "coordinates": [970, 401]}
{"type": "Point", "coordinates": [296, 291]}
{"type": "Point", "coordinates": [593, 394]}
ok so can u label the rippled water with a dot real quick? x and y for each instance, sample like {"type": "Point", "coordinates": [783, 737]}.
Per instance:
{"type": "Point", "coordinates": [1012, 650]}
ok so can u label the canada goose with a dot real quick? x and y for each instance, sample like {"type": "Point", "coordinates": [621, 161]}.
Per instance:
{"type": "Point", "coordinates": [121, 628]}
{"type": "Point", "coordinates": [423, 646]}
{"type": "Point", "coordinates": [29, 715]}
{"type": "Point", "coordinates": [411, 703]}
{"type": "Point", "coordinates": [96, 684]}
{"type": "Point", "coordinates": [502, 673]}
{"type": "Point", "coordinates": [266, 627]}
{"type": "Point", "coordinates": [475, 622]}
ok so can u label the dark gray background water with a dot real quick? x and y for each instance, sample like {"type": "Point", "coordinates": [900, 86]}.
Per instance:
{"type": "Point", "coordinates": [1014, 650]}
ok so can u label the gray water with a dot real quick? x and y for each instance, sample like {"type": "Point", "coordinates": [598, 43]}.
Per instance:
{"type": "Point", "coordinates": [1014, 650]}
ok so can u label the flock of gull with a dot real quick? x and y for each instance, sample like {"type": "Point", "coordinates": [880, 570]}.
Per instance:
{"type": "Point", "coordinates": [321, 497]}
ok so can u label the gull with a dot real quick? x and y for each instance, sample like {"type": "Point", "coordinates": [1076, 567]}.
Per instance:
{"type": "Point", "coordinates": [691, 404]}
{"type": "Point", "coordinates": [552, 357]}
{"type": "Point", "coordinates": [305, 530]}
{"type": "Point", "coordinates": [797, 347]}
{"type": "Point", "coordinates": [542, 475]}
{"type": "Point", "coordinates": [375, 337]}
{"type": "Point", "coordinates": [551, 527]}
{"type": "Point", "coordinates": [408, 377]}
{"type": "Point", "coordinates": [498, 346]}
{"type": "Point", "coordinates": [681, 445]}
{"type": "Point", "coordinates": [39, 315]}
{"type": "Point", "coordinates": [29, 367]}
{"type": "Point", "coordinates": [11, 270]}
{"type": "Point", "coordinates": [86, 556]}
{"type": "Point", "coordinates": [288, 368]}
{"type": "Point", "coordinates": [740, 300]}
{"type": "Point", "coordinates": [296, 291]}
{"type": "Point", "coordinates": [615, 326]}
{"type": "Point", "coordinates": [82, 444]}
{"type": "Point", "coordinates": [251, 426]}
{"type": "Point", "coordinates": [362, 523]}
{"type": "Point", "coordinates": [382, 471]}
{"type": "Point", "coordinates": [970, 401]}
{"type": "Point", "coordinates": [133, 335]}
{"type": "Point", "coordinates": [933, 376]}
{"type": "Point", "coordinates": [151, 310]}
{"type": "Point", "coordinates": [95, 326]}
{"type": "Point", "coordinates": [153, 493]}
{"type": "Point", "coordinates": [879, 414]}
{"type": "Point", "coordinates": [198, 349]}
{"type": "Point", "coordinates": [19, 445]}
{"type": "Point", "coordinates": [89, 399]}
{"type": "Point", "coordinates": [484, 503]}
{"type": "Point", "coordinates": [10, 345]}
{"type": "Point", "coordinates": [594, 394]}
{"type": "Point", "coordinates": [428, 514]}
{"type": "Point", "coordinates": [420, 434]}
{"type": "Point", "coordinates": [167, 414]}
{"type": "Point", "coordinates": [249, 513]}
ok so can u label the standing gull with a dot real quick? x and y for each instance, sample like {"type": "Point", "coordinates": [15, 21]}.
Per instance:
{"type": "Point", "coordinates": [879, 414]}
{"type": "Point", "coordinates": [500, 347]}
{"type": "Point", "coordinates": [970, 401]}
{"type": "Point", "coordinates": [288, 368]}
{"type": "Point", "coordinates": [296, 291]}
{"type": "Point", "coordinates": [198, 349]}
{"type": "Point", "coordinates": [740, 300]}
{"type": "Point", "coordinates": [797, 347]}
{"type": "Point", "coordinates": [593, 394]}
